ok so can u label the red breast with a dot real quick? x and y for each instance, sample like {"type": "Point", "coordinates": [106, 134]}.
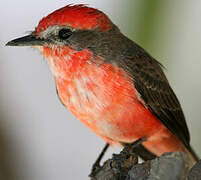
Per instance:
{"type": "Point", "coordinates": [103, 97]}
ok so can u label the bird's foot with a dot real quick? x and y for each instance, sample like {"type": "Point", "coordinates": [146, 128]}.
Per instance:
{"type": "Point", "coordinates": [96, 166]}
{"type": "Point", "coordinates": [137, 143]}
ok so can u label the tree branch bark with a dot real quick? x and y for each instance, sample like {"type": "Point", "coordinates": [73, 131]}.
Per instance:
{"type": "Point", "coordinates": [169, 166]}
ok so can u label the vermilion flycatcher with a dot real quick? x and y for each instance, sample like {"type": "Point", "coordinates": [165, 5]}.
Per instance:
{"type": "Point", "coordinates": [108, 82]}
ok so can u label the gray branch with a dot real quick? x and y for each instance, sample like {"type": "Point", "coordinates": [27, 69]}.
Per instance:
{"type": "Point", "coordinates": [169, 166]}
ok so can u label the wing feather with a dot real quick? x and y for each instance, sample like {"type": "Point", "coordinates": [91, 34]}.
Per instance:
{"type": "Point", "coordinates": [153, 87]}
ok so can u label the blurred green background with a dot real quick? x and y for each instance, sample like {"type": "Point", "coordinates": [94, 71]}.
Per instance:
{"type": "Point", "coordinates": [39, 138]}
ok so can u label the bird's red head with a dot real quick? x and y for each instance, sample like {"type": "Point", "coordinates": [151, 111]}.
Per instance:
{"type": "Point", "coordinates": [72, 33]}
{"type": "Point", "coordinates": [77, 17]}
{"type": "Point", "coordinates": [68, 26]}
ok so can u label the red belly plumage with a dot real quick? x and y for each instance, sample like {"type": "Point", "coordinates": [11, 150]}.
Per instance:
{"type": "Point", "coordinates": [104, 98]}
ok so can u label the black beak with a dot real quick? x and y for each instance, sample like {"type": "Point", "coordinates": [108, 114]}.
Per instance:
{"type": "Point", "coordinates": [29, 40]}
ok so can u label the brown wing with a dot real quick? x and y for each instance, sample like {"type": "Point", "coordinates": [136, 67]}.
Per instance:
{"type": "Point", "coordinates": [151, 83]}
{"type": "Point", "coordinates": [148, 78]}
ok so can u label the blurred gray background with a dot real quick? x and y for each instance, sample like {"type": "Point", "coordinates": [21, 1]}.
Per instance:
{"type": "Point", "coordinates": [39, 138]}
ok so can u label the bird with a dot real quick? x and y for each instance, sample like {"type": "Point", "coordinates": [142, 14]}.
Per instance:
{"type": "Point", "coordinates": [110, 83]}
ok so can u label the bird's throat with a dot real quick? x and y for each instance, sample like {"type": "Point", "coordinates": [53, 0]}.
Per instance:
{"type": "Point", "coordinates": [64, 62]}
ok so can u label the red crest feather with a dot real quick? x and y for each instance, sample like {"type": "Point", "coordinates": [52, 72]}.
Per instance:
{"type": "Point", "coordinates": [76, 16]}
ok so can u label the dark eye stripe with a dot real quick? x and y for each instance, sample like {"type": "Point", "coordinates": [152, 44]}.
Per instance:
{"type": "Point", "coordinates": [65, 34]}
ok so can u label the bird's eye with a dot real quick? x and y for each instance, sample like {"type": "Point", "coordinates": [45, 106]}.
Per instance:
{"type": "Point", "coordinates": [65, 33]}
